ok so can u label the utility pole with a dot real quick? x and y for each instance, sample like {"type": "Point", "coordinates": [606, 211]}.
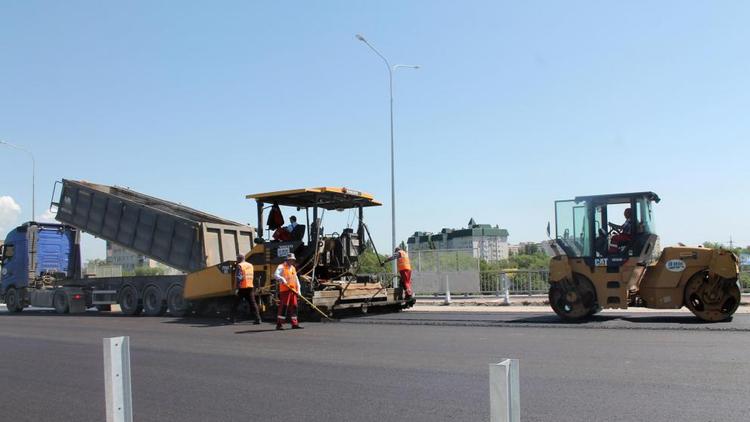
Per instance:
{"type": "Point", "coordinates": [391, 69]}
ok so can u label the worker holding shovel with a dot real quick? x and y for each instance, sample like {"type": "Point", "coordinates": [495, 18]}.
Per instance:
{"type": "Point", "coordinates": [286, 276]}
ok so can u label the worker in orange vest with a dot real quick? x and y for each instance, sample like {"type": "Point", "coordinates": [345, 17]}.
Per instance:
{"type": "Point", "coordinates": [286, 276]}
{"type": "Point", "coordinates": [244, 287]}
{"type": "Point", "coordinates": [404, 269]}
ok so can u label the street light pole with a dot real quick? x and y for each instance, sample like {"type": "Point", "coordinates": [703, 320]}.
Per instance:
{"type": "Point", "coordinates": [33, 174]}
{"type": "Point", "coordinates": [391, 69]}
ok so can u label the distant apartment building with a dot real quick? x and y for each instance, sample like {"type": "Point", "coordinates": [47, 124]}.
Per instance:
{"type": "Point", "coordinates": [127, 259]}
{"type": "Point", "coordinates": [130, 260]}
{"type": "Point", "coordinates": [526, 248]}
{"type": "Point", "coordinates": [487, 242]}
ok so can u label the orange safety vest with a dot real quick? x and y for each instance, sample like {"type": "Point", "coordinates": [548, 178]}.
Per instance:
{"type": "Point", "coordinates": [404, 264]}
{"type": "Point", "coordinates": [289, 273]}
{"type": "Point", "coordinates": [245, 275]}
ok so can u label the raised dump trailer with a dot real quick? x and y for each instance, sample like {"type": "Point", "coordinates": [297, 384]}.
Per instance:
{"type": "Point", "coordinates": [41, 262]}
{"type": "Point", "coordinates": [170, 233]}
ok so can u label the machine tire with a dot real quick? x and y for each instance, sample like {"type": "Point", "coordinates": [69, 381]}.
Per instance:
{"type": "Point", "coordinates": [712, 300]}
{"type": "Point", "coordinates": [128, 300]}
{"type": "Point", "coordinates": [573, 300]}
{"type": "Point", "coordinates": [60, 303]}
{"type": "Point", "coordinates": [175, 302]}
{"type": "Point", "coordinates": [13, 300]}
{"type": "Point", "coordinates": [153, 301]}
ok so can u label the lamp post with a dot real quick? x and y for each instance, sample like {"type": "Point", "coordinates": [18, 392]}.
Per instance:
{"type": "Point", "coordinates": [33, 174]}
{"type": "Point", "coordinates": [391, 69]}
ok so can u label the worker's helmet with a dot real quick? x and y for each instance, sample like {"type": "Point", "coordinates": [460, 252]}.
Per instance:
{"type": "Point", "coordinates": [291, 257]}
{"type": "Point", "coordinates": [240, 257]}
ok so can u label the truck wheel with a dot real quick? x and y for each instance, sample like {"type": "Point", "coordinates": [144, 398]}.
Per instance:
{"type": "Point", "coordinates": [13, 301]}
{"type": "Point", "coordinates": [175, 302]}
{"type": "Point", "coordinates": [153, 301]}
{"type": "Point", "coordinates": [60, 303]}
{"type": "Point", "coordinates": [129, 301]}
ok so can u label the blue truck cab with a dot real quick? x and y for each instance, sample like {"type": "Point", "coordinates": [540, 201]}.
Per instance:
{"type": "Point", "coordinates": [33, 255]}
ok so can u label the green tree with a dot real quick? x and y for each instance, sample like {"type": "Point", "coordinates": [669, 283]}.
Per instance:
{"type": "Point", "coordinates": [149, 271]}
{"type": "Point", "coordinates": [95, 262]}
{"type": "Point", "coordinates": [370, 264]}
{"type": "Point", "coordinates": [535, 261]}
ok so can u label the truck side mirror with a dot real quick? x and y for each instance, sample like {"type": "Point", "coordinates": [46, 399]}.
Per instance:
{"type": "Point", "coordinates": [549, 232]}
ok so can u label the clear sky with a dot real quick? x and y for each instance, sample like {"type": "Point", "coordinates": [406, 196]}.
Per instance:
{"type": "Point", "coordinates": [516, 104]}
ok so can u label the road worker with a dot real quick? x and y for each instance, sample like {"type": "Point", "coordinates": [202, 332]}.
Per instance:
{"type": "Point", "coordinates": [286, 277]}
{"type": "Point", "coordinates": [244, 286]}
{"type": "Point", "coordinates": [404, 269]}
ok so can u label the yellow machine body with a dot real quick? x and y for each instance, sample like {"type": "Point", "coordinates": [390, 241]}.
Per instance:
{"type": "Point", "coordinates": [594, 269]}
{"type": "Point", "coordinates": [326, 265]}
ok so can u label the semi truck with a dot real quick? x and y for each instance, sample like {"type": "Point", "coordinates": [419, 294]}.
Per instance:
{"type": "Point", "coordinates": [41, 262]}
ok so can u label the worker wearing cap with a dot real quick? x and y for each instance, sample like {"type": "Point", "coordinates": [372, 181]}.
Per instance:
{"type": "Point", "coordinates": [286, 276]}
{"type": "Point", "coordinates": [404, 270]}
{"type": "Point", "coordinates": [243, 279]}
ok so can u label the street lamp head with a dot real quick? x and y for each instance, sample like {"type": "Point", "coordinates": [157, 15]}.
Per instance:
{"type": "Point", "coordinates": [361, 38]}
{"type": "Point", "coordinates": [408, 66]}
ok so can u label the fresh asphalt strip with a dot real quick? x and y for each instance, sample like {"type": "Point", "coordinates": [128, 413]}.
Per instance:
{"type": "Point", "coordinates": [619, 321]}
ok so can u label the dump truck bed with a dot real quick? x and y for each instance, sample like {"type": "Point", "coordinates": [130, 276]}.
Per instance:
{"type": "Point", "coordinates": [171, 233]}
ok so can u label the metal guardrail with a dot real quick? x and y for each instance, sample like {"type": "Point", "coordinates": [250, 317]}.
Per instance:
{"type": "Point", "coordinates": [444, 260]}
{"type": "Point", "coordinates": [524, 282]}
{"type": "Point", "coordinates": [745, 279]}
{"type": "Point", "coordinates": [516, 282]}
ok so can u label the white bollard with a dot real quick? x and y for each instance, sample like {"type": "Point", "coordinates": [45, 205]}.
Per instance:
{"type": "Point", "coordinates": [506, 289]}
{"type": "Point", "coordinates": [505, 400]}
{"type": "Point", "coordinates": [118, 394]}
{"type": "Point", "coordinates": [447, 292]}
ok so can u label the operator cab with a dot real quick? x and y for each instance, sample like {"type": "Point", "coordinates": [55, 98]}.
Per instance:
{"type": "Point", "coordinates": [612, 227]}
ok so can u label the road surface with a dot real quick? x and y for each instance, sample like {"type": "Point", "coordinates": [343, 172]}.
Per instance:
{"type": "Point", "coordinates": [414, 366]}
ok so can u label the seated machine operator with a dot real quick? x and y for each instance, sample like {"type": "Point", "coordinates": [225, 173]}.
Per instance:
{"type": "Point", "coordinates": [624, 233]}
{"type": "Point", "coordinates": [283, 234]}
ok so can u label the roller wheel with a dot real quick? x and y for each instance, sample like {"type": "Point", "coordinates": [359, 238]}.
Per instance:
{"type": "Point", "coordinates": [153, 301]}
{"type": "Point", "coordinates": [129, 303]}
{"type": "Point", "coordinates": [60, 303]}
{"type": "Point", "coordinates": [175, 302]}
{"type": "Point", "coordinates": [13, 300]}
{"type": "Point", "coordinates": [573, 300]}
{"type": "Point", "coordinates": [712, 298]}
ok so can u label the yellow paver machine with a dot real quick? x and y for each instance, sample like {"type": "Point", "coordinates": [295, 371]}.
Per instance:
{"type": "Point", "coordinates": [602, 264]}
{"type": "Point", "coordinates": [327, 263]}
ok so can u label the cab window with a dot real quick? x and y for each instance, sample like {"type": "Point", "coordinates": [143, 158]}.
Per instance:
{"type": "Point", "coordinates": [8, 251]}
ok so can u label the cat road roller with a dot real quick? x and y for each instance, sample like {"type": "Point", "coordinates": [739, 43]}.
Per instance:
{"type": "Point", "coordinates": [606, 249]}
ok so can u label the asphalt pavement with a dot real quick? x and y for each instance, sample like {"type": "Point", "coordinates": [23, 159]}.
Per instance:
{"type": "Point", "coordinates": [416, 366]}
